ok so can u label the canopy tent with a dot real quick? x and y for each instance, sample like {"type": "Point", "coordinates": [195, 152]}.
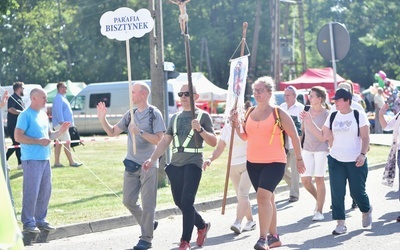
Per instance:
{"type": "Point", "coordinates": [73, 88]}
{"type": "Point", "coordinates": [314, 77]}
{"type": "Point", "coordinates": [206, 89]}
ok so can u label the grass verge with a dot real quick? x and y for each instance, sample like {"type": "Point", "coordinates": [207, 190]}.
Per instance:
{"type": "Point", "coordinates": [94, 191]}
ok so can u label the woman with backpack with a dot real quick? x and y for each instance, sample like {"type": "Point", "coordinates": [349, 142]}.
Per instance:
{"type": "Point", "coordinates": [315, 151]}
{"type": "Point", "coordinates": [266, 157]}
{"type": "Point", "coordinates": [347, 159]}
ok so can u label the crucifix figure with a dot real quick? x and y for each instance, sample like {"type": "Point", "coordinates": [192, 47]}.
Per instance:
{"type": "Point", "coordinates": [183, 17]}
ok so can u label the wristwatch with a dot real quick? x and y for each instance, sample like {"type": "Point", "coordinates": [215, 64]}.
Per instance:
{"type": "Point", "coordinates": [201, 130]}
{"type": "Point", "coordinates": [141, 132]}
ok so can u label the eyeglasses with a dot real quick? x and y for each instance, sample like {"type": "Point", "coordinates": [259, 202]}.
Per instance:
{"type": "Point", "coordinates": [187, 94]}
{"type": "Point", "coordinates": [258, 91]}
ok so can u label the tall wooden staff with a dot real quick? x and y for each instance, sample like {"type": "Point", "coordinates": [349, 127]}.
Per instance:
{"type": "Point", "coordinates": [183, 21]}
{"type": "Point", "coordinates": [228, 167]}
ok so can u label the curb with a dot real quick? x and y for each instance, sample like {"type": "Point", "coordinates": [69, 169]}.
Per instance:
{"type": "Point", "coordinates": [127, 221]}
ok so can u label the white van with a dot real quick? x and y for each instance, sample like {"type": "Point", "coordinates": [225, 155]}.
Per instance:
{"type": "Point", "coordinates": [26, 98]}
{"type": "Point", "coordinates": [116, 97]}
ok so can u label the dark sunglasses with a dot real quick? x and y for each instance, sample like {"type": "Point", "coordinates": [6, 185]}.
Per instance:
{"type": "Point", "coordinates": [187, 94]}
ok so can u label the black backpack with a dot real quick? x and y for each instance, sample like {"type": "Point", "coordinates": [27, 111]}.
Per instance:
{"type": "Point", "coordinates": [151, 117]}
{"type": "Point", "coordinates": [356, 115]}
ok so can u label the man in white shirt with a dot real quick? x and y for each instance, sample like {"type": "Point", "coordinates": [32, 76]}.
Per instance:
{"type": "Point", "coordinates": [293, 108]}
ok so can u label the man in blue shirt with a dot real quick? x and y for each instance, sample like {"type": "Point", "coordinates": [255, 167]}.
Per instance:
{"type": "Point", "coordinates": [62, 112]}
{"type": "Point", "coordinates": [34, 134]}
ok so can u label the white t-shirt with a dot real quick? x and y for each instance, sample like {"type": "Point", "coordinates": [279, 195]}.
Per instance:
{"type": "Point", "coordinates": [294, 110]}
{"type": "Point", "coordinates": [390, 126]}
{"type": "Point", "coordinates": [239, 146]}
{"type": "Point", "coordinates": [346, 144]}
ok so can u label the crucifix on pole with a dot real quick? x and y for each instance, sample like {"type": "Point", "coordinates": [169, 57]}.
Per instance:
{"type": "Point", "coordinates": [183, 22]}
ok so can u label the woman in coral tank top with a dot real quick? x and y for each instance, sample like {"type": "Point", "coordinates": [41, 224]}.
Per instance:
{"type": "Point", "coordinates": [266, 157]}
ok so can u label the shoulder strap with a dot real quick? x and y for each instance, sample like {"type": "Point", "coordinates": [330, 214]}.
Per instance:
{"type": "Point", "coordinates": [277, 118]}
{"type": "Point", "coordinates": [278, 123]}
{"type": "Point", "coordinates": [357, 116]}
{"type": "Point", "coordinates": [333, 115]}
{"type": "Point", "coordinates": [249, 110]}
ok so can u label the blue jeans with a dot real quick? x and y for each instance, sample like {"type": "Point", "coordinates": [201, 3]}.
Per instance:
{"type": "Point", "coordinates": [185, 181]}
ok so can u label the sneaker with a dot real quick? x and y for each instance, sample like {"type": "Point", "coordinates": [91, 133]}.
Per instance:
{"type": "Point", "coordinates": [262, 244]}
{"type": "Point", "coordinates": [236, 227]}
{"type": "Point", "coordinates": [202, 234]}
{"type": "Point", "coordinates": [184, 245]}
{"type": "Point", "coordinates": [274, 241]}
{"type": "Point", "coordinates": [34, 230]}
{"type": "Point", "coordinates": [142, 245]}
{"type": "Point", "coordinates": [367, 218]}
{"type": "Point", "coordinates": [19, 167]}
{"type": "Point", "coordinates": [318, 216]}
{"type": "Point", "coordinates": [293, 198]}
{"type": "Point", "coordinates": [47, 227]}
{"type": "Point", "coordinates": [354, 205]}
{"type": "Point", "coordinates": [250, 225]}
{"type": "Point", "coordinates": [340, 229]}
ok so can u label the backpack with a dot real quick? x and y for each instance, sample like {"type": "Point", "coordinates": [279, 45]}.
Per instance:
{"type": "Point", "coordinates": [74, 134]}
{"type": "Point", "coordinates": [356, 115]}
{"type": "Point", "coordinates": [152, 116]}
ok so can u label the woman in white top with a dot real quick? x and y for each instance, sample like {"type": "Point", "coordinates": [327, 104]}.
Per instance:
{"type": "Point", "coordinates": [392, 124]}
{"type": "Point", "coordinates": [315, 151]}
{"type": "Point", "coordinates": [347, 158]}
{"type": "Point", "coordinates": [238, 175]}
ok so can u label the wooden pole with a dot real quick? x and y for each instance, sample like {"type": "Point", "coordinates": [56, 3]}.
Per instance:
{"type": "Point", "coordinates": [128, 61]}
{"type": "Point", "coordinates": [228, 167]}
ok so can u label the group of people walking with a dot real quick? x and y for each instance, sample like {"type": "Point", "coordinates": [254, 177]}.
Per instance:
{"type": "Point", "coordinates": [266, 143]}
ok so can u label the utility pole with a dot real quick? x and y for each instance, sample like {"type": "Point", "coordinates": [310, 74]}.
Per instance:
{"type": "Point", "coordinates": [158, 91]}
{"type": "Point", "coordinates": [204, 50]}
{"type": "Point", "coordinates": [275, 44]}
{"type": "Point", "coordinates": [302, 42]}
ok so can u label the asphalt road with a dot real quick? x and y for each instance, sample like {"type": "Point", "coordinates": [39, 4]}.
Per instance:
{"type": "Point", "coordinates": [294, 225]}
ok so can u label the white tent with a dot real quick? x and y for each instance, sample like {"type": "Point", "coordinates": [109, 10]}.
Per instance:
{"type": "Point", "coordinates": [206, 89]}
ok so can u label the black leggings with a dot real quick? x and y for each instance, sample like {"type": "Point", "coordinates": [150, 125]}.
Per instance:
{"type": "Point", "coordinates": [265, 175]}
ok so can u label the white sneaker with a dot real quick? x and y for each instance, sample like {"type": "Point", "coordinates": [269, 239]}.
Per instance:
{"type": "Point", "coordinates": [318, 216]}
{"type": "Point", "coordinates": [367, 218]}
{"type": "Point", "coordinates": [250, 225]}
{"type": "Point", "coordinates": [236, 227]}
{"type": "Point", "coordinates": [340, 229]}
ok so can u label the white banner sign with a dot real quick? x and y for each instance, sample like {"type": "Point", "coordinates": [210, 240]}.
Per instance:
{"type": "Point", "coordinates": [124, 23]}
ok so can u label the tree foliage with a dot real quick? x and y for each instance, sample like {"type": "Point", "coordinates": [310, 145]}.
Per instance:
{"type": "Point", "coordinates": [51, 40]}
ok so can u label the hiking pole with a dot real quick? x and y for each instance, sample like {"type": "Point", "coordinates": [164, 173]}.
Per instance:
{"type": "Point", "coordinates": [128, 61]}
{"type": "Point", "coordinates": [228, 167]}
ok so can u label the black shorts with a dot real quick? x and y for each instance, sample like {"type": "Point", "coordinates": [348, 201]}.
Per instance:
{"type": "Point", "coordinates": [265, 175]}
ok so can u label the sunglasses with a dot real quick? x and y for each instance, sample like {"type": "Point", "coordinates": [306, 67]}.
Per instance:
{"type": "Point", "coordinates": [258, 91]}
{"type": "Point", "coordinates": [187, 94]}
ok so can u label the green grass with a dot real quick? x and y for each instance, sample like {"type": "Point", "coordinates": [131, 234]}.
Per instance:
{"type": "Point", "coordinates": [94, 191]}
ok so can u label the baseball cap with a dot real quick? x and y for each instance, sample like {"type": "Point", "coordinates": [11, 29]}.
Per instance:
{"type": "Point", "coordinates": [342, 93]}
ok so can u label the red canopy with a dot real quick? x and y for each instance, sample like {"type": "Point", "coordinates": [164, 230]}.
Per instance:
{"type": "Point", "coordinates": [314, 77]}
